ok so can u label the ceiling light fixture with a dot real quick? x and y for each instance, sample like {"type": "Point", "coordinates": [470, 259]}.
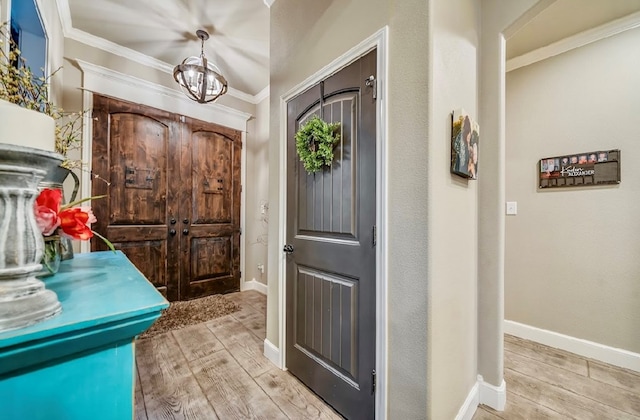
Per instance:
{"type": "Point", "coordinates": [199, 79]}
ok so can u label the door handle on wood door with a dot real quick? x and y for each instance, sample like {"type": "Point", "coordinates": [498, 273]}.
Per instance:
{"type": "Point", "coordinates": [288, 249]}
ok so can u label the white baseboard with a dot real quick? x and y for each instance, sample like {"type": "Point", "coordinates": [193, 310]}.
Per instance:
{"type": "Point", "coordinates": [470, 405]}
{"type": "Point", "coordinates": [254, 285]}
{"type": "Point", "coordinates": [611, 355]}
{"type": "Point", "coordinates": [491, 395]}
{"type": "Point", "coordinates": [272, 353]}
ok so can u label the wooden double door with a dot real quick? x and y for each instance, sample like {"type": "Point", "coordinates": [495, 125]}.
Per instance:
{"type": "Point", "coordinates": [173, 196]}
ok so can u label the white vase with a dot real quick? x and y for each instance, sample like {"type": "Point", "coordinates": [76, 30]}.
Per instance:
{"type": "Point", "coordinates": [23, 298]}
{"type": "Point", "coordinates": [26, 127]}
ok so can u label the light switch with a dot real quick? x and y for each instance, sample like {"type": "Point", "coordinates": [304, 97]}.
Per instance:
{"type": "Point", "coordinates": [512, 207]}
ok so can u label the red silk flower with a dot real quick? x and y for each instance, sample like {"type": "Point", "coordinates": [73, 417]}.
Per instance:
{"type": "Point", "coordinates": [71, 222]}
{"type": "Point", "coordinates": [46, 209]}
{"type": "Point", "coordinates": [74, 223]}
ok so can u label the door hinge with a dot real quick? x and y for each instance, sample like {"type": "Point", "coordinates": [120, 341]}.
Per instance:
{"type": "Point", "coordinates": [373, 83]}
{"type": "Point", "coordinates": [373, 381]}
{"type": "Point", "coordinates": [375, 235]}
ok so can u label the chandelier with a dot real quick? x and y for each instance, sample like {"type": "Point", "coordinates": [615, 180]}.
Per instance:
{"type": "Point", "coordinates": [199, 79]}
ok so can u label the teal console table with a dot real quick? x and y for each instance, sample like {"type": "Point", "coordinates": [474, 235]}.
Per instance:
{"type": "Point", "coordinates": [80, 364]}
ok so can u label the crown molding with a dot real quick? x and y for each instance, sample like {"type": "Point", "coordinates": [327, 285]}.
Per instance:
{"type": "Point", "coordinates": [575, 41]}
{"type": "Point", "coordinates": [108, 82]}
{"type": "Point", "coordinates": [252, 99]}
{"type": "Point", "coordinates": [262, 95]}
{"type": "Point", "coordinates": [135, 56]}
{"type": "Point", "coordinates": [116, 49]}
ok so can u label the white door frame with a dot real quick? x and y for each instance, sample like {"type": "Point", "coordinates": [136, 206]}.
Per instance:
{"type": "Point", "coordinates": [379, 41]}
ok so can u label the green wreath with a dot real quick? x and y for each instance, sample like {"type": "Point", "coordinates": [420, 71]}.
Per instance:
{"type": "Point", "coordinates": [315, 141]}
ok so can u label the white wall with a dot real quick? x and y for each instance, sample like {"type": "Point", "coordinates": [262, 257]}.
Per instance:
{"type": "Point", "coordinates": [499, 18]}
{"type": "Point", "coordinates": [257, 190]}
{"type": "Point", "coordinates": [305, 37]}
{"type": "Point", "coordinates": [431, 226]}
{"type": "Point", "coordinates": [452, 211]}
{"type": "Point", "coordinates": [572, 261]}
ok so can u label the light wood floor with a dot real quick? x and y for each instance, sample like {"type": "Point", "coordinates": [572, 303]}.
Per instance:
{"type": "Point", "coordinates": [216, 370]}
{"type": "Point", "coordinates": [547, 383]}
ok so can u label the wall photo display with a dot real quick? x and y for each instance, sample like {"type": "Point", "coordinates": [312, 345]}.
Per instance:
{"type": "Point", "coordinates": [465, 138]}
{"type": "Point", "coordinates": [580, 169]}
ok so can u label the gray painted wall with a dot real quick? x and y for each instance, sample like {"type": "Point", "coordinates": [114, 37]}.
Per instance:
{"type": "Point", "coordinates": [257, 190]}
{"type": "Point", "coordinates": [499, 18]}
{"type": "Point", "coordinates": [572, 261]}
{"type": "Point", "coordinates": [431, 226]}
{"type": "Point", "coordinates": [452, 212]}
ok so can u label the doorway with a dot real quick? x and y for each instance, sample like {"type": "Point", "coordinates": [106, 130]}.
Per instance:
{"type": "Point", "coordinates": [331, 242]}
{"type": "Point", "coordinates": [173, 201]}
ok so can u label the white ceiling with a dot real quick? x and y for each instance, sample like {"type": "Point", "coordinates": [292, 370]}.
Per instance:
{"type": "Point", "coordinates": [162, 32]}
{"type": "Point", "coordinates": [165, 31]}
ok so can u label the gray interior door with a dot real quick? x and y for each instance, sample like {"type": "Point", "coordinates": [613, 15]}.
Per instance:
{"type": "Point", "coordinates": [331, 272]}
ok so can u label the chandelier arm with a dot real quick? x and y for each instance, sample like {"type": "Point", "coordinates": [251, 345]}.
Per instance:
{"type": "Point", "coordinates": [184, 82]}
{"type": "Point", "coordinates": [205, 79]}
{"type": "Point", "coordinates": [197, 85]}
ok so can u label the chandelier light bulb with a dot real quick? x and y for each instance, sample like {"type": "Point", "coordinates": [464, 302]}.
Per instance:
{"type": "Point", "coordinates": [199, 79]}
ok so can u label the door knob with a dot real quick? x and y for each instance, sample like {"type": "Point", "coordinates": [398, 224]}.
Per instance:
{"type": "Point", "coordinates": [185, 231]}
{"type": "Point", "coordinates": [288, 249]}
{"type": "Point", "coordinates": [172, 232]}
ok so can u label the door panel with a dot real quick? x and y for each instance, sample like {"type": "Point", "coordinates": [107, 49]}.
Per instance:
{"type": "Point", "coordinates": [149, 257]}
{"type": "Point", "coordinates": [211, 260]}
{"type": "Point", "coordinates": [173, 204]}
{"type": "Point", "coordinates": [327, 321]}
{"type": "Point", "coordinates": [131, 145]}
{"type": "Point", "coordinates": [327, 202]}
{"type": "Point", "coordinates": [331, 272]}
{"type": "Point", "coordinates": [138, 169]}
{"type": "Point", "coordinates": [212, 171]}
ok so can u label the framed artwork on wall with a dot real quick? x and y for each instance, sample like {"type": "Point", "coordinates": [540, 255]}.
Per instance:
{"type": "Point", "coordinates": [465, 138]}
{"type": "Point", "coordinates": [599, 167]}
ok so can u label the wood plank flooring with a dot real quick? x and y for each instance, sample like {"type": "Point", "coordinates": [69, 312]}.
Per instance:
{"type": "Point", "coordinates": [547, 383]}
{"type": "Point", "coordinates": [216, 370]}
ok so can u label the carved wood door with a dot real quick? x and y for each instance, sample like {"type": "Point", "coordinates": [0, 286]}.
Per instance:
{"type": "Point", "coordinates": [173, 201]}
{"type": "Point", "coordinates": [210, 255]}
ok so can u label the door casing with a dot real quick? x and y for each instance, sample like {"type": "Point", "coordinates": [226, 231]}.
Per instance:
{"type": "Point", "coordinates": [379, 41]}
{"type": "Point", "coordinates": [118, 85]}
{"type": "Point", "coordinates": [194, 179]}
